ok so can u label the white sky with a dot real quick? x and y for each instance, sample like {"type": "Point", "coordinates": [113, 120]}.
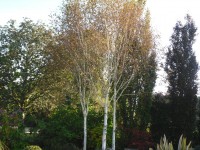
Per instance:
{"type": "Point", "coordinates": [33, 9]}
{"type": "Point", "coordinates": [164, 15]}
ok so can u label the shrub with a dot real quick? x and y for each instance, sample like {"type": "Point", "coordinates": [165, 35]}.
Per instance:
{"type": "Point", "coordinates": [32, 147]}
{"type": "Point", "coordinates": [65, 146]}
{"type": "Point", "coordinates": [95, 137]}
{"type": "Point", "coordinates": [11, 133]}
{"type": "Point", "coordinates": [95, 128]}
{"type": "Point", "coordinates": [65, 126]}
{"type": "Point", "coordinates": [14, 138]}
{"type": "Point", "coordinates": [138, 139]}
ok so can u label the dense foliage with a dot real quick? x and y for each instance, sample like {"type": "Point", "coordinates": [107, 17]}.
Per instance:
{"type": "Point", "coordinates": [88, 82]}
{"type": "Point", "coordinates": [32, 147]}
{"type": "Point", "coordinates": [62, 128]}
{"type": "Point", "coordinates": [181, 68]}
{"type": "Point", "coordinates": [22, 63]}
{"type": "Point", "coordinates": [160, 117]}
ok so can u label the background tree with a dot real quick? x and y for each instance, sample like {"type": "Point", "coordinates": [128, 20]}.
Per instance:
{"type": "Point", "coordinates": [160, 117]}
{"type": "Point", "coordinates": [196, 140]}
{"type": "Point", "coordinates": [181, 68]}
{"type": "Point", "coordinates": [146, 78]}
{"type": "Point", "coordinates": [135, 103]}
{"type": "Point", "coordinates": [198, 122]}
{"type": "Point", "coordinates": [23, 60]}
{"type": "Point", "coordinates": [134, 100]}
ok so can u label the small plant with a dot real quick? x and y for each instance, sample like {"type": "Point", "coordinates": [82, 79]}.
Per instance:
{"type": "Point", "coordinates": [164, 145]}
{"type": "Point", "coordinates": [3, 146]}
{"type": "Point", "coordinates": [32, 147]}
{"type": "Point", "coordinates": [182, 145]}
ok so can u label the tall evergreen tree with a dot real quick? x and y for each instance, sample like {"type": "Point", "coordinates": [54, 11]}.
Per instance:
{"type": "Point", "coordinates": [181, 68]}
{"type": "Point", "coordinates": [198, 123]}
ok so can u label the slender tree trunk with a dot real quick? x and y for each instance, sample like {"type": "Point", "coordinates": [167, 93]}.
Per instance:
{"type": "Point", "coordinates": [85, 131]}
{"type": "Point", "coordinates": [105, 122]}
{"type": "Point", "coordinates": [114, 125]}
{"type": "Point", "coordinates": [23, 117]}
{"type": "Point", "coordinates": [114, 119]}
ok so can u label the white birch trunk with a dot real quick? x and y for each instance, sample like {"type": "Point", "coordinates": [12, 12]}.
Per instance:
{"type": "Point", "coordinates": [23, 117]}
{"type": "Point", "coordinates": [114, 119]}
{"type": "Point", "coordinates": [105, 122]}
{"type": "Point", "coordinates": [85, 131]}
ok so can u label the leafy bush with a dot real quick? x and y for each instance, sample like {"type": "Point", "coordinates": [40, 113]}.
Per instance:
{"type": "Point", "coordinates": [65, 146]}
{"type": "Point", "coordinates": [95, 129]}
{"type": "Point", "coordinates": [12, 131]}
{"type": "Point", "coordinates": [32, 147]}
{"type": "Point", "coordinates": [95, 137]}
{"type": "Point", "coordinates": [63, 127]}
{"type": "Point", "coordinates": [15, 139]}
{"type": "Point", "coordinates": [137, 139]}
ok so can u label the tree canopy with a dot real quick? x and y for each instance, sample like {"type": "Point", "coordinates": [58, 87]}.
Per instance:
{"type": "Point", "coordinates": [181, 68]}
{"type": "Point", "coordinates": [22, 62]}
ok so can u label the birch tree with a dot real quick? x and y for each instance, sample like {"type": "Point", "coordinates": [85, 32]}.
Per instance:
{"type": "Point", "coordinates": [122, 26]}
{"type": "Point", "coordinates": [81, 45]}
{"type": "Point", "coordinates": [98, 36]}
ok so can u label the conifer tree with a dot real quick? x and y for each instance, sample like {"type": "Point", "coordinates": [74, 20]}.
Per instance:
{"type": "Point", "coordinates": [181, 68]}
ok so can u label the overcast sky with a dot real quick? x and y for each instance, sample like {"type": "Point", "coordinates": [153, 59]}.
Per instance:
{"type": "Point", "coordinates": [33, 9]}
{"type": "Point", "coordinates": [164, 15]}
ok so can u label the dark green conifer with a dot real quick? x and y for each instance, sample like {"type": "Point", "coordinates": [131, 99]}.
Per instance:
{"type": "Point", "coordinates": [181, 68]}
